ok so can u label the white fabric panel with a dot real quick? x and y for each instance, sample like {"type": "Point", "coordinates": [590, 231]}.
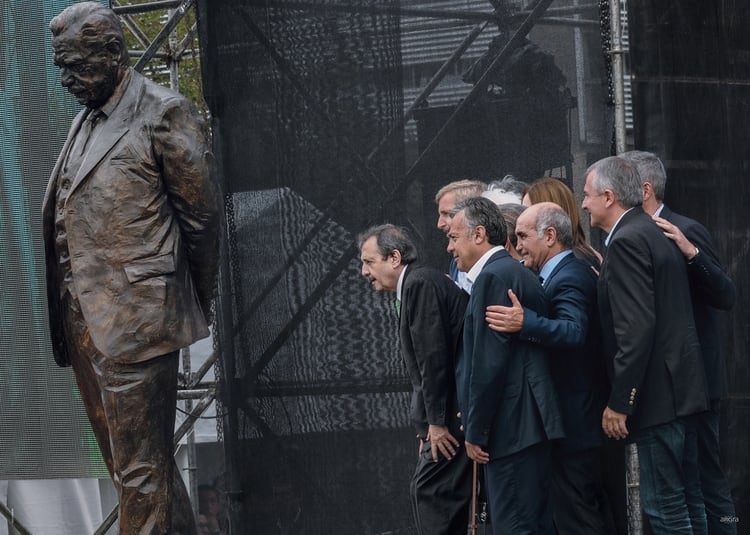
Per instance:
{"type": "Point", "coordinates": [57, 506]}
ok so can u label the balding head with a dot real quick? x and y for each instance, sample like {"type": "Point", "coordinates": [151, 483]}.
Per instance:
{"type": "Point", "coordinates": [543, 230]}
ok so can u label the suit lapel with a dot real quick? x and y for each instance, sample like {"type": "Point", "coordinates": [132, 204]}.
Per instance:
{"type": "Point", "coordinates": [562, 263]}
{"type": "Point", "coordinates": [110, 132]}
{"type": "Point", "coordinates": [52, 183]}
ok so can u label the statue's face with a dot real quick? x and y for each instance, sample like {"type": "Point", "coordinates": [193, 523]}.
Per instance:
{"type": "Point", "coordinates": [90, 74]}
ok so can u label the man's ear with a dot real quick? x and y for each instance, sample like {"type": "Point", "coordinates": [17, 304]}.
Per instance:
{"type": "Point", "coordinates": [648, 191]}
{"type": "Point", "coordinates": [609, 197]}
{"type": "Point", "coordinates": [479, 234]}
{"type": "Point", "coordinates": [550, 235]}
{"type": "Point", "coordinates": [395, 258]}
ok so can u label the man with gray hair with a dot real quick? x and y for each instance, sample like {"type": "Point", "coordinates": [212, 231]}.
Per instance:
{"type": "Point", "coordinates": [447, 198]}
{"type": "Point", "coordinates": [506, 394]}
{"type": "Point", "coordinates": [571, 334]}
{"type": "Point", "coordinates": [711, 290]}
{"type": "Point", "coordinates": [431, 309]}
{"type": "Point", "coordinates": [650, 345]}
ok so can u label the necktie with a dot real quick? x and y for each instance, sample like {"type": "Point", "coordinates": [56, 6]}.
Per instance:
{"type": "Point", "coordinates": [398, 307]}
{"type": "Point", "coordinates": [83, 135]}
{"type": "Point", "coordinates": [541, 280]}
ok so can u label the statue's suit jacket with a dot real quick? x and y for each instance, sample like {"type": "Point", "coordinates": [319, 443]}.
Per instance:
{"type": "Point", "coordinates": [142, 218]}
{"type": "Point", "coordinates": [505, 390]}
{"type": "Point", "coordinates": [431, 329]}
{"type": "Point", "coordinates": [651, 346]}
{"type": "Point", "coordinates": [711, 290]}
{"type": "Point", "coordinates": [572, 335]}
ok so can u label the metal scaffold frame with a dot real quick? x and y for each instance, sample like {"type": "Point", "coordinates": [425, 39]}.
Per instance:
{"type": "Point", "coordinates": [167, 48]}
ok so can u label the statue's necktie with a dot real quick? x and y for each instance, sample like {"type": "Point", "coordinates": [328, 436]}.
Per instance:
{"type": "Point", "coordinates": [84, 134]}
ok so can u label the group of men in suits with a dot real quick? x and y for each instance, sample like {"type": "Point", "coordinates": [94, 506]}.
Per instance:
{"type": "Point", "coordinates": [550, 354]}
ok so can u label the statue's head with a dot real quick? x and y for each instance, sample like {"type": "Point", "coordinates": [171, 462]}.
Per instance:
{"type": "Point", "coordinates": [90, 50]}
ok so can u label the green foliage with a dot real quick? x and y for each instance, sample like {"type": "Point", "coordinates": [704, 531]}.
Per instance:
{"type": "Point", "coordinates": [140, 31]}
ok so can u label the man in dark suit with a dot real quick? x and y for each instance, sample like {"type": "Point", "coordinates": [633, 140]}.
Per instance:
{"type": "Point", "coordinates": [431, 311]}
{"type": "Point", "coordinates": [131, 221]}
{"type": "Point", "coordinates": [571, 334]}
{"type": "Point", "coordinates": [711, 290]}
{"type": "Point", "coordinates": [651, 346]}
{"type": "Point", "coordinates": [505, 390]}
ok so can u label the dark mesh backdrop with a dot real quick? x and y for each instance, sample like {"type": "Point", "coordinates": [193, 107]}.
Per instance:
{"type": "Point", "coordinates": [44, 432]}
{"type": "Point", "coordinates": [691, 95]}
{"type": "Point", "coordinates": [307, 101]}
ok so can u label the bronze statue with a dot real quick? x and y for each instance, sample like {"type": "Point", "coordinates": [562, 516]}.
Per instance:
{"type": "Point", "coordinates": [132, 223]}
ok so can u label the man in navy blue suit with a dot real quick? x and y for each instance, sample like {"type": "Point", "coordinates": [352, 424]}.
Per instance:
{"type": "Point", "coordinates": [505, 390]}
{"type": "Point", "coordinates": [571, 333]}
{"type": "Point", "coordinates": [711, 290]}
{"type": "Point", "coordinates": [431, 313]}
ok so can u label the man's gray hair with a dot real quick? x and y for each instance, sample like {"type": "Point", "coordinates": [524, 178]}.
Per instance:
{"type": "Point", "coordinates": [462, 190]}
{"type": "Point", "coordinates": [555, 217]}
{"type": "Point", "coordinates": [390, 238]}
{"type": "Point", "coordinates": [650, 168]}
{"type": "Point", "coordinates": [617, 175]}
{"type": "Point", "coordinates": [481, 212]}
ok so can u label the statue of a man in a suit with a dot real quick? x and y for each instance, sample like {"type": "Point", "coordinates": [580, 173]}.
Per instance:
{"type": "Point", "coordinates": [131, 222]}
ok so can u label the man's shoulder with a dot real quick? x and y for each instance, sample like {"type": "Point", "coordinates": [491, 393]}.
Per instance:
{"type": "Point", "coordinates": [572, 267]}
{"type": "Point", "coordinates": [159, 95]}
{"type": "Point", "coordinates": [500, 261]}
{"type": "Point", "coordinates": [425, 280]}
{"type": "Point", "coordinates": [690, 227]}
{"type": "Point", "coordinates": [639, 227]}
{"type": "Point", "coordinates": [417, 274]}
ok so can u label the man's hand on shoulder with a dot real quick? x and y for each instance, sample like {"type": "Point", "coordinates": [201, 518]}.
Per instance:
{"type": "Point", "coordinates": [505, 319]}
{"type": "Point", "coordinates": [673, 232]}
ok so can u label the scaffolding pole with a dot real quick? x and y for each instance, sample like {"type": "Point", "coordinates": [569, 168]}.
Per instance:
{"type": "Point", "coordinates": [616, 53]}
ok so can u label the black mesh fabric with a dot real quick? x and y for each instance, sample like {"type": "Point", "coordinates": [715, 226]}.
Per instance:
{"type": "Point", "coordinates": [691, 89]}
{"type": "Point", "coordinates": [308, 101]}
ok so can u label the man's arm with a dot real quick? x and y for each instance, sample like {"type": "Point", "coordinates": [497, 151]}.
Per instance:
{"type": "Point", "coordinates": [567, 325]}
{"type": "Point", "coordinates": [488, 365]}
{"type": "Point", "coordinates": [707, 276]}
{"type": "Point", "coordinates": [188, 171]}
{"type": "Point", "coordinates": [425, 318]}
{"type": "Point", "coordinates": [630, 290]}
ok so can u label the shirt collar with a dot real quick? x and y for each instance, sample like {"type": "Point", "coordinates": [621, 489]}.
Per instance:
{"type": "Point", "coordinates": [552, 263]}
{"type": "Point", "coordinates": [400, 283]}
{"type": "Point", "coordinates": [658, 210]}
{"type": "Point", "coordinates": [108, 107]}
{"type": "Point", "coordinates": [477, 268]}
{"type": "Point", "coordinates": [612, 231]}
